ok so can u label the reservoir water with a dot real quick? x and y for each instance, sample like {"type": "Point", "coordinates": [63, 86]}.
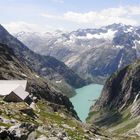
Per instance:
{"type": "Point", "coordinates": [85, 98]}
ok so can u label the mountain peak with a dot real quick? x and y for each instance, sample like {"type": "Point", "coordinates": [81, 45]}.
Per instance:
{"type": "Point", "coordinates": [2, 29]}
{"type": "Point", "coordinates": [117, 26]}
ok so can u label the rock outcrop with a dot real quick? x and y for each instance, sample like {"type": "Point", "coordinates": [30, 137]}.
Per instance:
{"type": "Point", "coordinates": [118, 107]}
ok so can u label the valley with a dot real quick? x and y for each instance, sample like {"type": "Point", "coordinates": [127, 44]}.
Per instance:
{"type": "Point", "coordinates": [70, 70]}
{"type": "Point", "coordinates": [70, 105]}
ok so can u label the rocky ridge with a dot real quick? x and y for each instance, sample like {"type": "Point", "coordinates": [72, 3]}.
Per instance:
{"type": "Point", "coordinates": [118, 107]}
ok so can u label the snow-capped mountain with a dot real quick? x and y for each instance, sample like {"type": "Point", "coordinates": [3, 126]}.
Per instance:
{"type": "Point", "coordinates": [90, 52]}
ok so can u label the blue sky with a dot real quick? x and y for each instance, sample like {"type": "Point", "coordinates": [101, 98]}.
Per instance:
{"type": "Point", "coordinates": [44, 15]}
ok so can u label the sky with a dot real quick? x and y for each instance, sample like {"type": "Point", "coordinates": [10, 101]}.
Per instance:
{"type": "Point", "coordinates": [49, 15]}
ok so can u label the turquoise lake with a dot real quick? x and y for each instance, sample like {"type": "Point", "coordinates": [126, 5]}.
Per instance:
{"type": "Point", "coordinates": [84, 99]}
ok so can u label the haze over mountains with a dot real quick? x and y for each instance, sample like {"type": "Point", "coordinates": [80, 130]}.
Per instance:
{"type": "Point", "coordinates": [92, 53]}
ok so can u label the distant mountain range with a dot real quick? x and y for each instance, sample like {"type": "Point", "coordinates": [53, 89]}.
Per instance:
{"type": "Point", "coordinates": [49, 67]}
{"type": "Point", "coordinates": [92, 53]}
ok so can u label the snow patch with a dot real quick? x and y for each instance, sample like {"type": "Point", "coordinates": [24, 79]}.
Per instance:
{"type": "Point", "coordinates": [109, 35]}
{"type": "Point", "coordinates": [82, 37]}
{"type": "Point", "coordinates": [59, 40]}
{"type": "Point", "coordinates": [135, 44]}
{"type": "Point", "coordinates": [134, 47]}
{"type": "Point", "coordinates": [72, 39]}
{"type": "Point", "coordinates": [89, 36]}
{"type": "Point", "coordinates": [119, 46]}
{"type": "Point", "coordinates": [129, 30]}
{"type": "Point", "coordinates": [120, 62]}
{"type": "Point", "coordinates": [58, 82]}
{"type": "Point", "coordinates": [138, 41]}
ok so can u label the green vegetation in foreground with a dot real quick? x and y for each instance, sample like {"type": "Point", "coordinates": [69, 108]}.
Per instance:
{"type": "Point", "coordinates": [91, 114]}
{"type": "Point", "coordinates": [44, 116]}
{"type": "Point", "coordinates": [75, 129]}
{"type": "Point", "coordinates": [133, 123]}
{"type": "Point", "coordinates": [118, 128]}
{"type": "Point", "coordinates": [4, 124]}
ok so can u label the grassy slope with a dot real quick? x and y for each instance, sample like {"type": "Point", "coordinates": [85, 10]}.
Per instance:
{"type": "Point", "coordinates": [45, 117]}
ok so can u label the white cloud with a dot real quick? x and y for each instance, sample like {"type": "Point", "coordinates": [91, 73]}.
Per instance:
{"type": "Point", "coordinates": [73, 20]}
{"type": "Point", "coordinates": [135, 10]}
{"type": "Point", "coordinates": [123, 15]}
{"type": "Point", "coordinates": [14, 27]}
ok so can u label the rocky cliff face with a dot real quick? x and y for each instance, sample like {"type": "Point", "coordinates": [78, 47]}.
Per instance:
{"type": "Point", "coordinates": [118, 107]}
{"type": "Point", "coordinates": [12, 68]}
{"type": "Point", "coordinates": [46, 66]}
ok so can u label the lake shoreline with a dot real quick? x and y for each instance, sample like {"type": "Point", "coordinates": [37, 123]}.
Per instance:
{"type": "Point", "coordinates": [85, 97]}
